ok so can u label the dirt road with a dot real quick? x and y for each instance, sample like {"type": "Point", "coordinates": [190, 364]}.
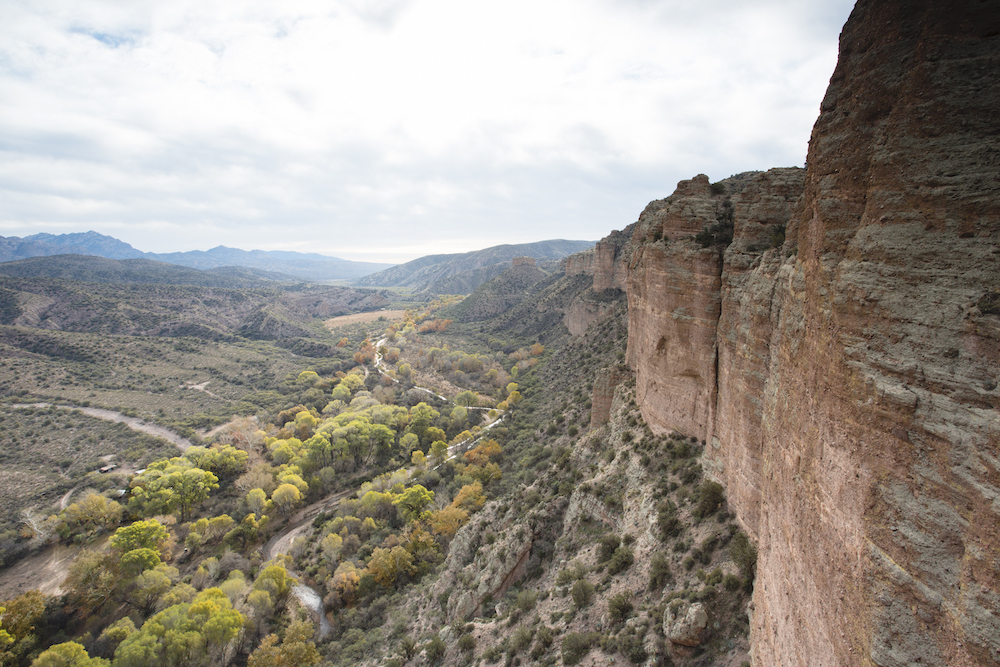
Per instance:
{"type": "Point", "coordinates": [110, 415]}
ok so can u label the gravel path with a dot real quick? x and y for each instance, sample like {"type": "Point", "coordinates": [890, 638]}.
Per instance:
{"type": "Point", "coordinates": [110, 415]}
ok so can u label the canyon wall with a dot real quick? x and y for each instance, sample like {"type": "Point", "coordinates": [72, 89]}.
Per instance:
{"type": "Point", "coordinates": [841, 358]}
{"type": "Point", "coordinates": [605, 262]}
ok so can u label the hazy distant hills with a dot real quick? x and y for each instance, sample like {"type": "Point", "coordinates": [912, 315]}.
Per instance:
{"type": "Point", "coordinates": [464, 272]}
{"type": "Point", "coordinates": [140, 297]}
{"type": "Point", "coordinates": [307, 266]}
{"type": "Point", "coordinates": [92, 269]}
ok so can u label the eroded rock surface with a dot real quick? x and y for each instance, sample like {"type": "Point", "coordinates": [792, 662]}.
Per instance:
{"type": "Point", "coordinates": [846, 381]}
{"type": "Point", "coordinates": [685, 624]}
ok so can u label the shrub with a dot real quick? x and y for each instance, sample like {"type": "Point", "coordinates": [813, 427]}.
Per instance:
{"type": "Point", "coordinates": [526, 601]}
{"type": "Point", "coordinates": [731, 582]}
{"type": "Point", "coordinates": [989, 303]}
{"type": "Point", "coordinates": [659, 572]}
{"type": "Point", "coordinates": [435, 649]}
{"type": "Point", "coordinates": [571, 573]}
{"type": "Point", "coordinates": [544, 636]}
{"type": "Point", "coordinates": [777, 236]}
{"type": "Point", "coordinates": [606, 547]}
{"type": "Point", "coordinates": [667, 520]}
{"type": "Point", "coordinates": [710, 497]}
{"type": "Point", "coordinates": [582, 592]}
{"type": "Point", "coordinates": [631, 646]}
{"type": "Point", "coordinates": [621, 560]}
{"type": "Point", "coordinates": [744, 554]}
{"type": "Point", "coordinates": [521, 639]}
{"type": "Point", "coordinates": [466, 643]}
{"type": "Point", "coordinates": [576, 645]}
{"type": "Point", "coordinates": [619, 607]}
{"type": "Point", "coordinates": [718, 188]}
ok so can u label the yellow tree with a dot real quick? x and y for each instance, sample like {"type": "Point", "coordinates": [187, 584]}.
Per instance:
{"type": "Point", "coordinates": [389, 565]}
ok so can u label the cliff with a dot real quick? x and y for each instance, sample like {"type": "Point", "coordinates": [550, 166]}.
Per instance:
{"type": "Point", "coordinates": [605, 262]}
{"type": "Point", "coordinates": [845, 379]}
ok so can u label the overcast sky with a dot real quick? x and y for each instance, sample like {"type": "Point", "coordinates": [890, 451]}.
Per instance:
{"type": "Point", "coordinates": [382, 130]}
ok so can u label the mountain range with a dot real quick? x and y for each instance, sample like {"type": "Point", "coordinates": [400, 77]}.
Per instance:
{"type": "Point", "coordinates": [303, 266]}
{"type": "Point", "coordinates": [462, 273]}
{"type": "Point", "coordinates": [458, 273]}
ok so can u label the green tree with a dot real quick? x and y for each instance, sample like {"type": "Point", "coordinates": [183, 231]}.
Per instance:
{"type": "Point", "coordinates": [174, 486]}
{"type": "Point", "coordinates": [5, 637]}
{"type": "Point", "coordinates": [147, 589]}
{"type": "Point", "coordinates": [276, 581]}
{"type": "Point", "coordinates": [132, 563]}
{"type": "Point", "coordinates": [439, 452]}
{"type": "Point", "coordinates": [418, 459]}
{"type": "Point", "coordinates": [68, 654]}
{"type": "Point", "coordinates": [467, 399]}
{"type": "Point", "coordinates": [19, 615]}
{"type": "Point", "coordinates": [91, 580]}
{"type": "Point", "coordinates": [116, 633]}
{"type": "Point", "coordinates": [148, 534]}
{"type": "Point", "coordinates": [433, 434]}
{"type": "Point", "coordinates": [412, 503]}
{"type": "Point", "coordinates": [256, 500]}
{"type": "Point", "coordinates": [194, 633]}
{"type": "Point", "coordinates": [286, 498]}
{"type": "Point", "coordinates": [421, 417]}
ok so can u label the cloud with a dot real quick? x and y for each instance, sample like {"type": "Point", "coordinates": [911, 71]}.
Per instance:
{"type": "Point", "coordinates": [392, 124]}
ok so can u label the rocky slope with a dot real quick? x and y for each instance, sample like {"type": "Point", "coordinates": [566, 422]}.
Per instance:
{"type": "Point", "coordinates": [845, 380]}
{"type": "Point", "coordinates": [433, 271]}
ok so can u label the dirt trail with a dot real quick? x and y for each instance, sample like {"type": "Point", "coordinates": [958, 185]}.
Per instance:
{"type": "Point", "coordinates": [64, 501]}
{"type": "Point", "coordinates": [45, 571]}
{"type": "Point", "coordinates": [110, 415]}
{"type": "Point", "coordinates": [282, 543]}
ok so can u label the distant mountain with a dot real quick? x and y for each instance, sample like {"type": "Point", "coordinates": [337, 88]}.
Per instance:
{"type": "Point", "coordinates": [307, 266]}
{"type": "Point", "coordinates": [147, 298]}
{"type": "Point", "coordinates": [473, 268]}
{"type": "Point", "coordinates": [90, 269]}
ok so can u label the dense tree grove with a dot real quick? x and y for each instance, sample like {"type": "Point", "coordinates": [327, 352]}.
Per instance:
{"type": "Point", "coordinates": [180, 579]}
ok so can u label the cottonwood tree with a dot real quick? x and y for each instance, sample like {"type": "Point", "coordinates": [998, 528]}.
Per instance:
{"type": "Point", "coordinates": [68, 654]}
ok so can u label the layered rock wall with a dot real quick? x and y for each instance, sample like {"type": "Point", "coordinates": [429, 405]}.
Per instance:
{"type": "Point", "coordinates": [846, 382]}
{"type": "Point", "coordinates": [606, 261]}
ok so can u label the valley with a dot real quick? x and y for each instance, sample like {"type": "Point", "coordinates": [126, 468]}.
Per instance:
{"type": "Point", "coordinates": [755, 427]}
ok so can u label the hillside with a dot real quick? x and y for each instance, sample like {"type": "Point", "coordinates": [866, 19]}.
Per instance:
{"type": "Point", "coordinates": [759, 426]}
{"type": "Point", "coordinates": [498, 294]}
{"type": "Point", "coordinates": [92, 269]}
{"type": "Point", "coordinates": [307, 266]}
{"type": "Point", "coordinates": [475, 267]}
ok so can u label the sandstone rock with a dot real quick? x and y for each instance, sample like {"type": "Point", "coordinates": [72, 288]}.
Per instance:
{"type": "Point", "coordinates": [686, 624]}
{"type": "Point", "coordinates": [847, 390]}
{"type": "Point", "coordinates": [605, 382]}
{"type": "Point", "coordinates": [607, 261]}
{"type": "Point", "coordinates": [587, 310]}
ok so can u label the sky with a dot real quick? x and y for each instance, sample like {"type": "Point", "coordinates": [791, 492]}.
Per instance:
{"type": "Point", "coordinates": [384, 130]}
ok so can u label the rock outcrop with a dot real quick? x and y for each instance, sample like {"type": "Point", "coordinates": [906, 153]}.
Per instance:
{"type": "Point", "coordinates": [685, 624]}
{"type": "Point", "coordinates": [606, 262]}
{"type": "Point", "coordinates": [605, 383]}
{"type": "Point", "coordinates": [845, 380]}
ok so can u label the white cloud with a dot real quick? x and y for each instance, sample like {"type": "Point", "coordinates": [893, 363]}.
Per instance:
{"type": "Point", "coordinates": [411, 125]}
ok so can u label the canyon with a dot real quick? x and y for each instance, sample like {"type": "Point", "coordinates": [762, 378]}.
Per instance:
{"type": "Point", "coordinates": [839, 358]}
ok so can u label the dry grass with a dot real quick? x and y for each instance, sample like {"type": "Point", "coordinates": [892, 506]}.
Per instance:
{"type": "Point", "coordinates": [47, 451]}
{"type": "Point", "coordinates": [361, 318]}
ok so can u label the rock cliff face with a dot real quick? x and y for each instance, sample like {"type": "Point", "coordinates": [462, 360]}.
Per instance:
{"type": "Point", "coordinates": [846, 381]}
{"type": "Point", "coordinates": [605, 261]}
